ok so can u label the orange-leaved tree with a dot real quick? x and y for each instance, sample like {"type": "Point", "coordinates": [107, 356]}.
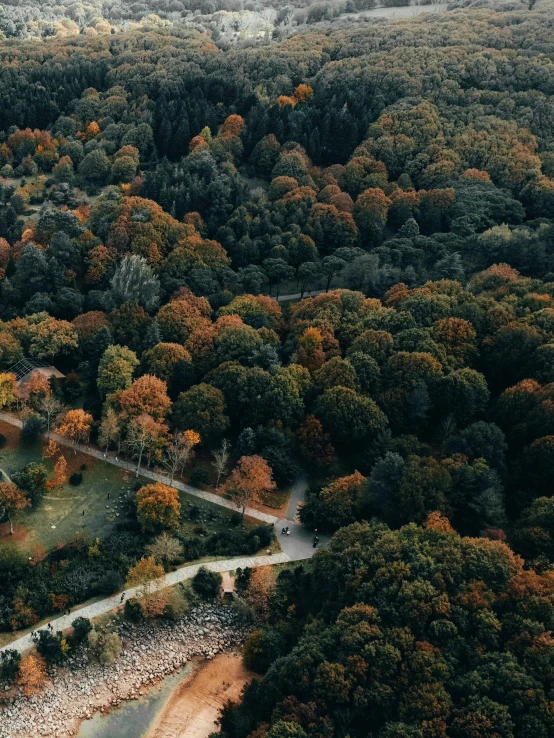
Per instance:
{"type": "Point", "coordinates": [233, 125]}
{"type": "Point", "coordinates": [158, 507]}
{"type": "Point", "coordinates": [248, 480]}
{"type": "Point", "coordinates": [60, 474]}
{"type": "Point", "coordinates": [51, 449]}
{"type": "Point", "coordinates": [32, 673]}
{"type": "Point", "coordinates": [315, 443]}
{"type": "Point", "coordinates": [303, 92]}
{"type": "Point", "coordinates": [12, 501]}
{"type": "Point", "coordinates": [75, 426]}
{"type": "Point", "coordinates": [310, 349]}
{"type": "Point", "coordinates": [38, 387]}
{"type": "Point", "coordinates": [147, 394]}
{"type": "Point", "coordinates": [259, 590]}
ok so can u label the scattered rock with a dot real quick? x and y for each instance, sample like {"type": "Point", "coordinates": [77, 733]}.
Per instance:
{"type": "Point", "coordinates": [67, 698]}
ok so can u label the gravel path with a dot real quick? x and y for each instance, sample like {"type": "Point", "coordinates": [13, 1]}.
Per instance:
{"type": "Point", "coordinates": [164, 478]}
{"type": "Point", "coordinates": [298, 494]}
{"type": "Point", "coordinates": [180, 575]}
{"type": "Point", "coordinates": [297, 545]}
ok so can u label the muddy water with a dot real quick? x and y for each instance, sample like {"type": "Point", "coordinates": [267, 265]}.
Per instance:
{"type": "Point", "coordinates": [133, 719]}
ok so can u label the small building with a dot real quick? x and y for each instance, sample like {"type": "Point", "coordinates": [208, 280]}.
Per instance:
{"type": "Point", "coordinates": [25, 368]}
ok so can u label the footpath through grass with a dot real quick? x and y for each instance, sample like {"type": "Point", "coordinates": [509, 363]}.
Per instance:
{"type": "Point", "coordinates": [104, 499]}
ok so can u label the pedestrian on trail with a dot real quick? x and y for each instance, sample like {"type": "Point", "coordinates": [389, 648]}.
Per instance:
{"type": "Point", "coordinates": [108, 495]}
{"type": "Point", "coordinates": [122, 596]}
{"type": "Point", "coordinates": [83, 512]}
{"type": "Point", "coordinates": [116, 459]}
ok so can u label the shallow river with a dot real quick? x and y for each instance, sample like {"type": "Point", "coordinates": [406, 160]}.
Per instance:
{"type": "Point", "coordinates": [134, 718]}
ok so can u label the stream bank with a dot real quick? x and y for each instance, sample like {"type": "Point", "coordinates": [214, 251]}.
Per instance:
{"type": "Point", "coordinates": [150, 652]}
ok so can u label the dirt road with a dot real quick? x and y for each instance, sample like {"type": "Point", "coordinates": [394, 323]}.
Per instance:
{"type": "Point", "coordinates": [194, 706]}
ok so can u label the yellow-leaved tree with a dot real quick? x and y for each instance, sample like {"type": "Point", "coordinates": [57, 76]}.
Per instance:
{"type": "Point", "coordinates": [158, 507]}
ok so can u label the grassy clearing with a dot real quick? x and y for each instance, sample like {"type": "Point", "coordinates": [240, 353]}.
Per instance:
{"type": "Point", "coordinates": [66, 511]}
{"type": "Point", "coordinates": [95, 507]}
{"type": "Point", "coordinates": [276, 499]}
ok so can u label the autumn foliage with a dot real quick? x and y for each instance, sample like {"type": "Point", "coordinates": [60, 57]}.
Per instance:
{"type": "Point", "coordinates": [158, 506]}
{"type": "Point", "coordinates": [249, 480]}
{"type": "Point", "coordinates": [32, 673]}
{"type": "Point", "coordinates": [75, 426]}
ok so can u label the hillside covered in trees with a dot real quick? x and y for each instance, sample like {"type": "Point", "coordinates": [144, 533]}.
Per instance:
{"type": "Point", "coordinates": [158, 192]}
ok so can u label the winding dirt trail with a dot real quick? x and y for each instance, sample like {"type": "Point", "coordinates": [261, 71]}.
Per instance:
{"type": "Point", "coordinates": [194, 706]}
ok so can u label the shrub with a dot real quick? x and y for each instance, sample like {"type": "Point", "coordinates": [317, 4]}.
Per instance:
{"type": "Point", "coordinates": [111, 648]}
{"type": "Point", "coordinates": [194, 512]}
{"type": "Point", "coordinates": [111, 581]}
{"type": "Point", "coordinates": [9, 665]}
{"type": "Point", "coordinates": [207, 583]}
{"type": "Point", "coordinates": [53, 648]}
{"type": "Point", "coordinates": [176, 606]}
{"type": "Point", "coordinates": [133, 611]}
{"type": "Point", "coordinates": [264, 533]}
{"type": "Point", "coordinates": [3, 440]}
{"type": "Point", "coordinates": [32, 429]}
{"type": "Point", "coordinates": [75, 479]}
{"type": "Point", "coordinates": [199, 476]}
{"type": "Point", "coordinates": [106, 646]}
{"type": "Point", "coordinates": [81, 629]}
{"type": "Point", "coordinates": [83, 467]}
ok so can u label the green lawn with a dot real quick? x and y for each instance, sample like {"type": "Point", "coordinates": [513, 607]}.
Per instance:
{"type": "Point", "coordinates": [66, 511]}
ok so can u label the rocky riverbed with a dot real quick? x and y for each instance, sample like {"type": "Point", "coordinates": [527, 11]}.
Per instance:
{"type": "Point", "coordinates": [149, 652]}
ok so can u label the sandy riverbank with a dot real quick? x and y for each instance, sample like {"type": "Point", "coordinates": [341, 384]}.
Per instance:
{"type": "Point", "coordinates": [193, 708]}
{"type": "Point", "coordinates": [150, 652]}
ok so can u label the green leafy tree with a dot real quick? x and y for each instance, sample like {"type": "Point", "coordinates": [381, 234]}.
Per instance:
{"type": "Point", "coordinates": [116, 368]}
{"type": "Point", "coordinates": [463, 393]}
{"type": "Point", "coordinates": [350, 417]}
{"type": "Point", "coordinates": [94, 170]}
{"type": "Point", "coordinates": [202, 409]}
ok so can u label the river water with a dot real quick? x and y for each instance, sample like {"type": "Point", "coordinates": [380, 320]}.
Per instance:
{"type": "Point", "coordinates": [134, 718]}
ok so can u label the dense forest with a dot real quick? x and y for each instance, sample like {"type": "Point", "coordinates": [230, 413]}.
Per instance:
{"type": "Point", "coordinates": [238, 22]}
{"type": "Point", "coordinates": [157, 194]}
